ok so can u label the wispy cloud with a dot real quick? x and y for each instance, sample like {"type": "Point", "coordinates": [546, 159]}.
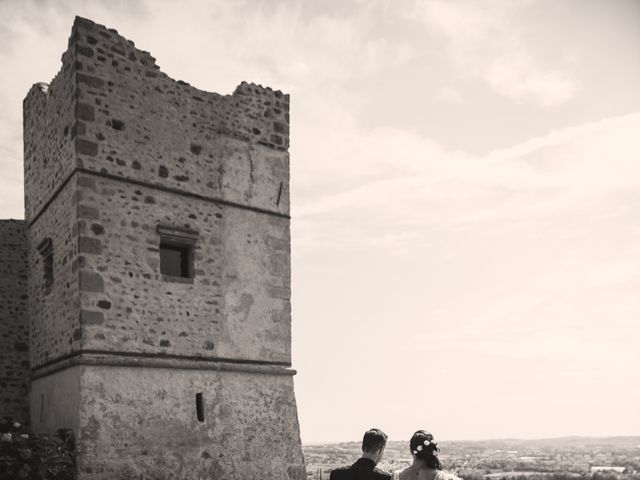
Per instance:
{"type": "Point", "coordinates": [516, 77]}
{"type": "Point", "coordinates": [450, 95]}
{"type": "Point", "coordinates": [487, 40]}
{"type": "Point", "coordinates": [397, 173]}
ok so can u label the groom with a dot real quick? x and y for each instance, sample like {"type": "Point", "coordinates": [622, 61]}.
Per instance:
{"type": "Point", "coordinates": [373, 444]}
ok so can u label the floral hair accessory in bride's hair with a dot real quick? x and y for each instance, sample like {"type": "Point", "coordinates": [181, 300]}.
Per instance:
{"type": "Point", "coordinates": [423, 446]}
{"type": "Point", "coordinates": [426, 443]}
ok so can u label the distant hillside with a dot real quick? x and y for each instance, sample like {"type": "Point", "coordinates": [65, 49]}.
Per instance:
{"type": "Point", "coordinates": [577, 441]}
{"type": "Point", "coordinates": [620, 442]}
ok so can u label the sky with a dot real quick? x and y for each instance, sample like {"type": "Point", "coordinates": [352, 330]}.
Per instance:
{"type": "Point", "coordinates": [465, 181]}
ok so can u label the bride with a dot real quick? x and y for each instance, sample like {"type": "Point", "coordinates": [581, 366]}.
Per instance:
{"type": "Point", "coordinates": [426, 464]}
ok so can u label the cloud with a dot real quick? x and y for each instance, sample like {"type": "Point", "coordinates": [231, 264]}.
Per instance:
{"type": "Point", "coordinates": [449, 94]}
{"type": "Point", "coordinates": [515, 76]}
{"type": "Point", "coordinates": [412, 182]}
{"type": "Point", "coordinates": [488, 41]}
{"type": "Point", "coordinates": [11, 191]}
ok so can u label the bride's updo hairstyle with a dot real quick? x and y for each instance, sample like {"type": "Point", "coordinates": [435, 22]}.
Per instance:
{"type": "Point", "coordinates": [423, 446]}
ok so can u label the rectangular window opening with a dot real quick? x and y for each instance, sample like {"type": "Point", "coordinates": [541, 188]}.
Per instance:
{"type": "Point", "coordinates": [200, 407]}
{"type": "Point", "coordinates": [176, 260]}
{"type": "Point", "coordinates": [176, 251]}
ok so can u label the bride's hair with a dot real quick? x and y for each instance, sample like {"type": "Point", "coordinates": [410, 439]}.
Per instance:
{"type": "Point", "coordinates": [425, 448]}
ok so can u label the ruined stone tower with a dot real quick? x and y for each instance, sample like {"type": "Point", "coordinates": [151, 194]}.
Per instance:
{"type": "Point", "coordinates": [158, 246]}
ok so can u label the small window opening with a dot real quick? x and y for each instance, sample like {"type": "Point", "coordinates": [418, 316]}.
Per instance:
{"type": "Point", "coordinates": [200, 407]}
{"type": "Point", "coordinates": [46, 252]}
{"type": "Point", "coordinates": [175, 260]}
{"type": "Point", "coordinates": [176, 251]}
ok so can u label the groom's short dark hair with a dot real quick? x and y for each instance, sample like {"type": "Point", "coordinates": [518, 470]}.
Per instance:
{"type": "Point", "coordinates": [374, 439]}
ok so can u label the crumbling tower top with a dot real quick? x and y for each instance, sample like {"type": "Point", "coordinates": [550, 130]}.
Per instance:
{"type": "Point", "coordinates": [106, 81]}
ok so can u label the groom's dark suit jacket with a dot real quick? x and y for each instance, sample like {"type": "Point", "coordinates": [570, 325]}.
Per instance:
{"type": "Point", "coordinates": [363, 469]}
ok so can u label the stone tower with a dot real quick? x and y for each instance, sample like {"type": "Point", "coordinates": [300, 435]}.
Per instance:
{"type": "Point", "coordinates": [159, 269]}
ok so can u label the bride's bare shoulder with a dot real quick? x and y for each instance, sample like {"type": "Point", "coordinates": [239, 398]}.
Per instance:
{"type": "Point", "coordinates": [396, 474]}
{"type": "Point", "coordinates": [402, 474]}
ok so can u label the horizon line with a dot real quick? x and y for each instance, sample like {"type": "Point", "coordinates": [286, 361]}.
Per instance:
{"type": "Point", "coordinates": [562, 437]}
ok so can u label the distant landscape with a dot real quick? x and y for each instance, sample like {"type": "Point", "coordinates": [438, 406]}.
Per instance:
{"type": "Point", "coordinates": [575, 458]}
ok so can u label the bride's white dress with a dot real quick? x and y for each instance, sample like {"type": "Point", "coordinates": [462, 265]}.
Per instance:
{"type": "Point", "coordinates": [440, 475]}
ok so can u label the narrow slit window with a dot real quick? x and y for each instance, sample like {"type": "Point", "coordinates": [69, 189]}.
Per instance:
{"type": "Point", "coordinates": [41, 408]}
{"type": "Point", "coordinates": [46, 253]}
{"type": "Point", "coordinates": [176, 252]}
{"type": "Point", "coordinates": [200, 407]}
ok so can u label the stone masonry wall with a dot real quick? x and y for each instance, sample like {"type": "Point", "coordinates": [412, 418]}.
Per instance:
{"type": "Point", "coordinates": [112, 112]}
{"type": "Point", "coordinates": [250, 429]}
{"type": "Point", "coordinates": [49, 136]}
{"type": "Point", "coordinates": [237, 304]}
{"type": "Point", "coordinates": [55, 327]}
{"type": "Point", "coordinates": [14, 324]}
{"type": "Point", "coordinates": [140, 124]}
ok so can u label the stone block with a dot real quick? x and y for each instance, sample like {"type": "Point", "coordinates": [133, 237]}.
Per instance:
{"type": "Point", "coordinates": [93, 82]}
{"type": "Point", "coordinates": [78, 128]}
{"type": "Point", "coordinates": [91, 281]}
{"type": "Point", "coordinates": [89, 213]}
{"type": "Point", "coordinates": [87, 182]}
{"type": "Point", "coordinates": [85, 112]}
{"type": "Point", "coordinates": [88, 317]}
{"type": "Point", "coordinates": [86, 147]}
{"type": "Point", "coordinates": [89, 245]}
